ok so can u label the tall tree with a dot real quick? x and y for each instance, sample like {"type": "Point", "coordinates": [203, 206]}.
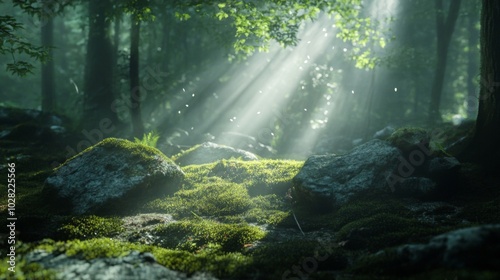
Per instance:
{"type": "Point", "coordinates": [472, 65]}
{"type": "Point", "coordinates": [135, 93]}
{"type": "Point", "coordinates": [444, 28]}
{"type": "Point", "coordinates": [485, 144]}
{"type": "Point", "coordinates": [98, 82]}
{"type": "Point", "coordinates": [47, 39]}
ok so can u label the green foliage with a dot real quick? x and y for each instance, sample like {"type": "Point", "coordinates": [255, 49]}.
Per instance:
{"type": "Point", "coordinates": [91, 227]}
{"type": "Point", "coordinates": [13, 44]}
{"type": "Point", "coordinates": [149, 139]}
{"type": "Point", "coordinates": [257, 24]}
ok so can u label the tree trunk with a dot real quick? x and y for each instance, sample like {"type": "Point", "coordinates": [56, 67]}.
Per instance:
{"type": "Point", "coordinates": [48, 86]}
{"type": "Point", "coordinates": [98, 84]}
{"type": "Point", "coordinates": [444, 30]}
{"type": "Point", "coordinates": [135, 94]}
{"type": "Point", "coordinates": [472, 68]}
{"type": "Point", "coordinates": [485, 145]}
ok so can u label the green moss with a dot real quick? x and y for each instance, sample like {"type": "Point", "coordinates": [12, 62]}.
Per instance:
{"type": "Point", "coordinates": [406, 138]}
{"type": "Point", "coordinates": [361, 209]}
{"type": "Point", "coordinates": [482, 212]}
{"type": "Point", "coordinates": [24, 271]}
{"type": "Point", "coordinates": [276, 259]}
{"type": "Point", "coordinates": [192, 235]}
{"type": "Point", "coordinates": [91, 227]}
{"type": "Point", "coordinates": [387, 265]}
{"type": "Point", "coordinates": [225, 189]}
{"type": "Point", "coordinates": [263, 216]}
{"type": "Point", "coordinates": [260, 177]}
{"type": "Point", "coordinates": [210, 259]}
{"type": "Point", "coordinates": [146, 153]}
{"type": "Point", "coordinates": [385, 230]}
{"type": "Point", "coordinates": [211, 197]}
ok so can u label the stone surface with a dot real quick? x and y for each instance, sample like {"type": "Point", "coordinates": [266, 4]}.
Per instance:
{"type": "Point", "coordinates": [474, 247]}
{"type": "Point", "coordinates": [410, 139]}
{"type": "Point", "coordinates": [246, 143]}
{"type": "Point", "coordinates": [136, 265]}
{"type": "Point", "coordinates": [210, 152]}
{"type": "Point", "coordinates": [113, 174]}
{"type": "Point", "coordinates": [331, 180]}
{"type": "Point", "coordinates": [418, 187]}
{"type": "Point", "coordinates": [443, 166]}
{"type": "Point", "coordinates": [29, 125]}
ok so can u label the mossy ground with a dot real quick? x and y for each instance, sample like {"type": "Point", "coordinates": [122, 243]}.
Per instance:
{"type": "Point", "coordinates": [233, 221]}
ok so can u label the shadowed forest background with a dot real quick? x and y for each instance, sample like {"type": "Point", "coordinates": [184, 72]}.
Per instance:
{"type": "Point", "coordinates": [193, 76]}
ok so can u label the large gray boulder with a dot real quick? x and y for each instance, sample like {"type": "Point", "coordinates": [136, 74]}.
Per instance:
{"type": "Point", "coordinates": [136, 265]}
{"type": "Point", "coordinates": [331, 181]}
{"type": "Point", "coordinates": [210, 152]}
{"type": "Point", "coordinates": [113, 175]}
{"type": "Point", "coordinates": [474, 247]}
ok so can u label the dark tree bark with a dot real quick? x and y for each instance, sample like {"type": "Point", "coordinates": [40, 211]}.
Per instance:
{"type": "Point", "coordinates": [472, 67]}
{"type": "Point", "coordinates": [98, 84]}
{"type": "Point", "coordinates": [444, 29]}
{"type": "Point", "coordinates": [47, 38]}
{"type": "Point", "coordinates": [135, 94]}
{"type": "Point", "coordinates": [485, 144]}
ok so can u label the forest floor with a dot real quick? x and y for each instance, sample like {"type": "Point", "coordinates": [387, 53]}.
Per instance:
{"type": "Point", "coordinates": [231, 219]}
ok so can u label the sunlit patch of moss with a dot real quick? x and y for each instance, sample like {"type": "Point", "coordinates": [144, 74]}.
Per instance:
{"type": "Point", "coordinates": [91, 227]}
{"type": "Point", "coordinates": [270, 217]}
{"type": "Point", "coordinates": [209, 259]}
{"type": "Point", "coordinates": [260, 177]}
{"type": "Point", "coordinates": [208, 190]}
{"type": "Point", "coordinates": [192, 235]}
{"type": "Point", "coordinates": [144, 152]}
{"type": "Point", "coordinates": [211, 197]}
{"type": "Point", "coordinates": [268, 209]}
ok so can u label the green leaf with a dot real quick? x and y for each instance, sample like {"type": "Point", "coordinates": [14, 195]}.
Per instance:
{"type": "Point", "coordinates": [382, 42]}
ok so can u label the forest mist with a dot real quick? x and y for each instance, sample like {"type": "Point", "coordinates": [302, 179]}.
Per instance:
{"type": "Point", "coordinates": [293, 99]}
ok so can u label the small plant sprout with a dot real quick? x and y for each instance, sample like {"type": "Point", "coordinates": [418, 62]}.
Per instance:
{"type": "Point", "coordinates": [148, 139]}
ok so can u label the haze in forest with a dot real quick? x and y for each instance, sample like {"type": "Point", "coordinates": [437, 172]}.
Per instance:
{"type": "Point", "coordinates": [293, 99]}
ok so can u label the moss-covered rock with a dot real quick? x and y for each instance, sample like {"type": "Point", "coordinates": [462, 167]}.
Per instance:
{"type": "Point", "coordinates": [209, 259]}
{"type": "Point", "coordinates": [210, 152]}
{"type": "Point", "coordinates": [115, 175]}
{"type": "Point", "coordinates": [408, 139]}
